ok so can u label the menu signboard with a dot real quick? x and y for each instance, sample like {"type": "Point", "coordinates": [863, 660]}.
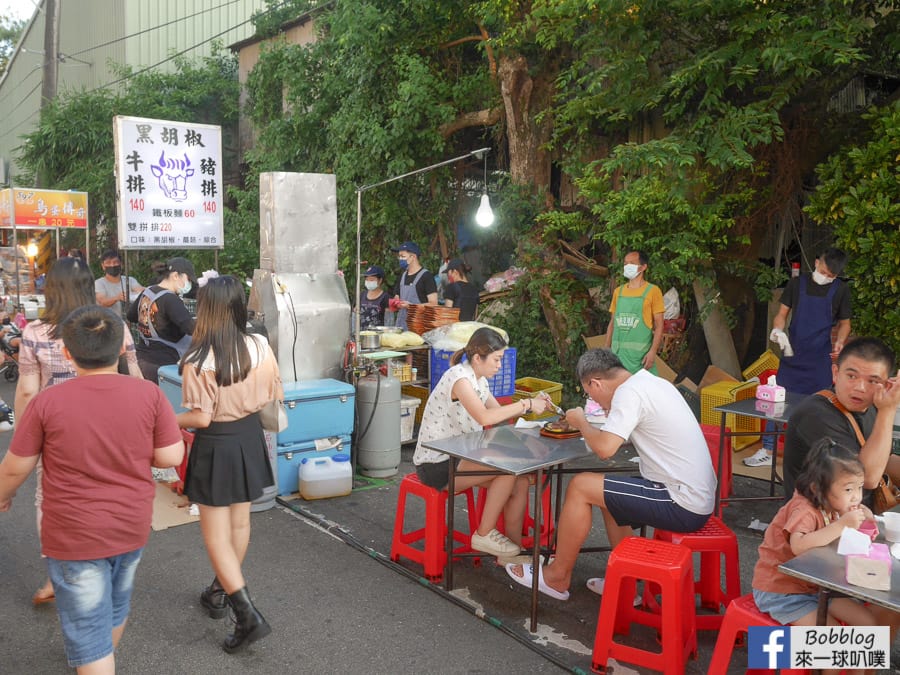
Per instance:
{"type": "Point", "coordinates": [169, 184]}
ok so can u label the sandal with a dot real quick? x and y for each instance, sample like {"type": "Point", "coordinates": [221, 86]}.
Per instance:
{"type": "Point", "coordinates": [43, 595]}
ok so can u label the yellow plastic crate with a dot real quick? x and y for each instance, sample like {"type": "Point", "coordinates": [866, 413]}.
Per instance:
{"type": "Point", "coordinates": [420, 393]}
{"type": "Point", "coordinates": [721, 393]}
{"type": "Point", "coordinates": [527, 387]}
{"type": "Point", "coordinates": [402, 371]}
{"type": "Point", "coordinates": [768, 360]}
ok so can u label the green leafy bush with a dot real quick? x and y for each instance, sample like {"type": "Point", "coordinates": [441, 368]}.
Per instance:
{"type": "Point", "coordinates": [859, 195]}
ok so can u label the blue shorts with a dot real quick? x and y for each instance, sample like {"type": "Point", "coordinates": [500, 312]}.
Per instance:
{"type": "Point", "coordinates": [636, 501]}
{"type": "Point", "coordinates": [786, 607]}
{"type": "Point", "coordinates": [92, 598]}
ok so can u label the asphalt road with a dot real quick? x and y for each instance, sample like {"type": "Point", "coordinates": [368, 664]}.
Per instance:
{"type": "Point", "coordinates": [335, 607]}
{"type": "Point", "coordinates": [332, 608]}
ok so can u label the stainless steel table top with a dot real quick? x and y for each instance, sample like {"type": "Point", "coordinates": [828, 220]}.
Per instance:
{"type": "Point", "coordinates": [824, 567]}
{"type": "Point", "coordinates": [511, 450]}
{"type": "Point", "coordinates": [750, 408]}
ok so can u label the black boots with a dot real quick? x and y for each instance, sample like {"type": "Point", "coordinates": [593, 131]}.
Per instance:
{"type": "Point", "coordinates": [249, 623]}
{"type": "Point", "coordinates": [214, 600]}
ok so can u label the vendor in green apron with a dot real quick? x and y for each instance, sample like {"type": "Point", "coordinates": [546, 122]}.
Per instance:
{"type": "Point", "coordinates": [636, 317]}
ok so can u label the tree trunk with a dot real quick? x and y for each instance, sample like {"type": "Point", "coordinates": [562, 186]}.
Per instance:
{"type": "Point", "coordinates": [718, 336]}
{"type": "Point", "coordinates": [524, 99]}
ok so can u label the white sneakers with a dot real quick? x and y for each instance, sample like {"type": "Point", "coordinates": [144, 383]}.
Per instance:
{"type": "Point", "coordinates": [496, 544]}
{"type": "Point", "coordinates": [7, 417]}
{"type": "Point", "coordinates": [761, 457]}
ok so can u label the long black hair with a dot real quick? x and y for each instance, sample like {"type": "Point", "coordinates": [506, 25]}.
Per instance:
{"type": "Point", "coordinates": [221, 327]}
{"type": "Point", "coordinates": [825, 461]}
{"type": "Point", "coordinates": [69, 285]}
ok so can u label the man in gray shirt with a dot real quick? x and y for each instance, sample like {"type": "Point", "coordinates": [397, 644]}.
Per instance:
{"type": "Point", "coordinates": [111, 288]}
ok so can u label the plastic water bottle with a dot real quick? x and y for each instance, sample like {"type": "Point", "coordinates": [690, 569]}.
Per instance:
{"type": "Point", "coordinates": [323, 477]}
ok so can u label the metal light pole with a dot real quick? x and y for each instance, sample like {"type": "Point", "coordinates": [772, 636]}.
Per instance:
{"type": "Point", "coordinates": [365, 188]}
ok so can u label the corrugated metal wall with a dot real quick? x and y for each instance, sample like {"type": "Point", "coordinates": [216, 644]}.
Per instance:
{"type": "Point", "coordinates": [183, 24]}
{"type": "Point", "coordinates": [83, 28]}
{"type": "Point", "coordinates": [95, 33]}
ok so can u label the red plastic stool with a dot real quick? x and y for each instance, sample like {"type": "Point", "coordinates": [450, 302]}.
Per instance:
{"type": "Point", "coordinates": [742, 613]}
{"type": "Point", "coordinates": [188, 438]}
{"type": "Point", "coordinates": [668, 566]}
{"type": "Point", "coordinates": [547, 526]}
{"type": "Point", "coordinates": [712, 541]}
{"type": "Point", "coordinates": [434, 556]}
{"type": "Point", "coordinates": [726, 480]}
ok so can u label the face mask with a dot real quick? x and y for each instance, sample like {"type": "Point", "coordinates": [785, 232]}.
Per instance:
{"type": "Point", "coordinates": [187, 288]}
{"type": "Point", "coordinates": [114, 271]}
{"type": "Point", "coordinates": [371, 285]}
{"type": "Point", "coordinates": [821, 279]}
{"type": "Point", "coordinates": [630, 271]}
{"type": "Point", "coordinates": [404, 263]}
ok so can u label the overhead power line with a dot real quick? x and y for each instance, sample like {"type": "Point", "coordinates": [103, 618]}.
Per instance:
{"type": "Point", "coordinates": [185, 50]}
{"type": "Point", "coordinates": [153, 28]}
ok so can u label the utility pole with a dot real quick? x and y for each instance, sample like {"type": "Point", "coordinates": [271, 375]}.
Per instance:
{"type": "Point", "coordinates": [51, 63]}
{"type": "Point", "coordinates": [51, 52]}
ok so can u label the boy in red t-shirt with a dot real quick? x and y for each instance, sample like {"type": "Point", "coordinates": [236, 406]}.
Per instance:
{"type": "Point", "coordinates": [98, 486]}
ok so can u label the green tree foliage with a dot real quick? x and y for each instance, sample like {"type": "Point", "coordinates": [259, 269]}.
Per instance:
{"type": "Point", "coordinates": [268, 21]}
{"type": "Point", "coordinates": [73, 145]}
{"type": "Point", "coordinates": [394, 85]}
{"type": "Point", "coordinates": [859, 193]}
{"type": "Point", "coordinates": [702, 104]}
{"type": "Point", "coordinates": [686, 127]}
{"type": "Point", "coordinates": [366, 102]}
{"type": "Point", "coordinates": [10, 32]}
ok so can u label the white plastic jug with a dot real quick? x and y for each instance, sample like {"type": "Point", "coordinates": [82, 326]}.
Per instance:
{"type": "Point", "coordinates": [323, 477]}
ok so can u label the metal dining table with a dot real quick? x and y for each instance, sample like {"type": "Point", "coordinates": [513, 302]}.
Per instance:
{"type": "Point", "coordinates": [779, 413]}
{"type": "Point", "coordinates": [826, 568]}
{"type": "Point", "coordinates": [507, 450]}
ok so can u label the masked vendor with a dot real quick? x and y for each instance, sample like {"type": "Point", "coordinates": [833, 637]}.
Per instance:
{"type": "Point", "coordinates": [373, 301]}
{"type": "Point", "coordinates": [416, 284]}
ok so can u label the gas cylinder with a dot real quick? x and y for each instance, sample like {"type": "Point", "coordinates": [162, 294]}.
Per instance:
{"type": "Point", "coordinates": [378, 425]}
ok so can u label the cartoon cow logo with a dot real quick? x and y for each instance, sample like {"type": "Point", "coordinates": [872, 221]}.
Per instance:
{"type": "Point", "coordinates": [172, 175]}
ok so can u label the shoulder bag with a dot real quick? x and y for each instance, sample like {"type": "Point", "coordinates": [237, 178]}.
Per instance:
{"type": "Point", "coordinates": [273, 416]}
{"type": "Point", "coordinates": [886, 496]}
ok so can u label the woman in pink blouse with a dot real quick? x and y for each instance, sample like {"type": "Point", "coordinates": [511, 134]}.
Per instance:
{"type": "Point", "coordinates": [228, 376]}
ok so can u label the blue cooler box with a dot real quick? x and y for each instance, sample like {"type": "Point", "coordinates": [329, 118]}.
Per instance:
{"type": "Point", "coordinates": [291, 456]}
{"type": "Point", "coordinates": [170, 383]}
{"type": "Point", "coordinates": [317, 409]}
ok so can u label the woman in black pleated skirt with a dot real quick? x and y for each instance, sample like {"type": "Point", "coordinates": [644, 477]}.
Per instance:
{"type": "Point", "coordinates": [228, 376]}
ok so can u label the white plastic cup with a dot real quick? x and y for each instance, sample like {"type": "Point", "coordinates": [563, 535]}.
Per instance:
{"type": "Point", "coordinates": [891, 526]}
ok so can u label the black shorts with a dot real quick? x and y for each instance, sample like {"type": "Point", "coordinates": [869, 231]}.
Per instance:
{"type": "Point", "coordinates": [436, 474]}
{"type": "Point", "coordinates": [636, 501]}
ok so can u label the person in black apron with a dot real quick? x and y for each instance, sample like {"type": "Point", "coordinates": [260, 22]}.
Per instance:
{"type": "Point", "coordinates": [416, 285]}
{"type": "Point", "coordinates": [461, 292]}
{"type": "Point", "coordinates": [816, 302]}
{"type": "Point", "coordinates": [164, 323]}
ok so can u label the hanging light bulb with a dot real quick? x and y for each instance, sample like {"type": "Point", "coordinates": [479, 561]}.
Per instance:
{"type": "Point", "coordinates": [31, 249]}
{"type": "Point", "coordinates": [485, 214]}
